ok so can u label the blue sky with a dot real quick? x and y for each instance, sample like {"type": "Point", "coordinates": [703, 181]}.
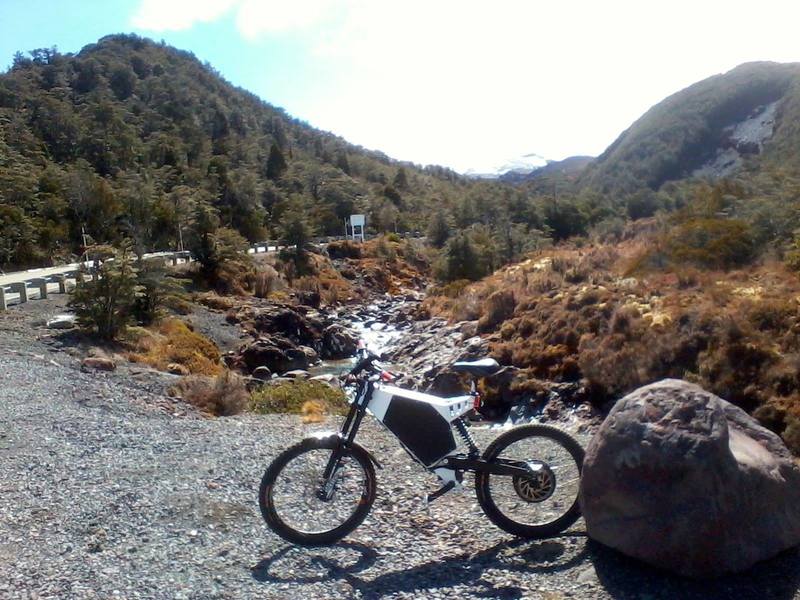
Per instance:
{"type": "Point", "coordinates": [464, 83]}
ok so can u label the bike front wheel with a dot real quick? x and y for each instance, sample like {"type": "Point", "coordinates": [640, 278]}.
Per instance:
{"type": "Point", "coordinates": [544, 504]}
{"type": "Point", "coordinates": [292, 495]}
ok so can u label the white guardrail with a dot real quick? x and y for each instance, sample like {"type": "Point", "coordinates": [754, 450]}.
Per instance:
{"type": "Point", "coordinates": [19, 287]}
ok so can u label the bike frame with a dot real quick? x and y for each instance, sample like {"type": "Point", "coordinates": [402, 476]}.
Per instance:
{"type": "Point", "coordinates": [456, 463]}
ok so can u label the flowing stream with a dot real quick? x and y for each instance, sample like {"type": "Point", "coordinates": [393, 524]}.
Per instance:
{"type": "Point", "coordinates": [370, 323]}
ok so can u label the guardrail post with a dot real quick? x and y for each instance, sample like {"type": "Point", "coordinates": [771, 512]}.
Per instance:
{"type": "Point", "coordinates": [22, 289]}
{"type": "Point", "coordinates": [3, 304]}
{"type": "Point", "coordinates": [42, 285]}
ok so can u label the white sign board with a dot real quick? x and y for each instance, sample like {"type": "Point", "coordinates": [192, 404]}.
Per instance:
{"type": "Point", "coordinates": [355, 227]}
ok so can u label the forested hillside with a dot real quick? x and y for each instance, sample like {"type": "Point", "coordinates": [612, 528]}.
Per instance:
{"type": "Point", "coordinates": [132, 138]}
{"type": "Point", "coordinates": [684, 132]}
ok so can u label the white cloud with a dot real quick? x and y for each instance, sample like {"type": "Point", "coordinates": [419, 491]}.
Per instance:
{"type": "Point", "coordinates": [253, 17]}
{"type": "Point", "coordinates": [258, 17]}
{"type": "Point", "coordinates": [176, 15]}
{"type": "Point", "coordinates": [468, 83]}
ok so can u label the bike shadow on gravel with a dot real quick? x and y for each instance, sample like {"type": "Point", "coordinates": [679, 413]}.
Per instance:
{"type": "Point", "coordinates": [346, 561]}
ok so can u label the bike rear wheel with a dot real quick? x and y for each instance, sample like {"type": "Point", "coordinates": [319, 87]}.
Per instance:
{"type": "Point", "coordinates": [544, 504]}
{"type": "Point", "coordinates": [291, 489]}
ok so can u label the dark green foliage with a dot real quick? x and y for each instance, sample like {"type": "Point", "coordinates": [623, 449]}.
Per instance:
{"type": "Point", "coordinates": [342, 162]}
{"type": "Point", "coordinates": [438, 230]}
{"type": "Point", "coordinates": [276, 163]}
{"type": "Point", "coordinates": [104, 139]}
{"type": "Point", "coordinates": [400, 181]}
{"type": "Point", "coordinates": [461, 260]}
{"type": "Point", "coordinates": [130, 138]}
{"type": "Point", "coordinates": [157, 291]}
{"type": "Point", "coordinates": [296, 236]}
{"type": "Point", "coordinates": [105, 305]}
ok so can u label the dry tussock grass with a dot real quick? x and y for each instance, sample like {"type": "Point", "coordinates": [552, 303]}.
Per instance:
{"type": "Point", "coordinates": [173, 342]}
{"type": "Point", "coordinates": [221, 396]}
{"type": "Point", "coordinates": [576, 316]}
{"type": "Point", "coordinates": [214, 301]}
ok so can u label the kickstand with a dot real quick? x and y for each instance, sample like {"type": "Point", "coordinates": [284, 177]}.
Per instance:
{"type": "Point", "coordinates": [440, 492]}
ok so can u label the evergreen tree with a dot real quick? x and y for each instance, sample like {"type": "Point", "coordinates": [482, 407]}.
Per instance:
{"type": "Point", "coordinates": [276, 163]}
{"type": "Point", "coordinates": [296, 237]}
{"type": "Point", "coordinates": [342, 162]}
{"type": "Point", "coordinates": [438, 230]}
{"type": "Point", "coordinates": [401, 179]}
{"type": "Point", "coordinates": [461, 259]}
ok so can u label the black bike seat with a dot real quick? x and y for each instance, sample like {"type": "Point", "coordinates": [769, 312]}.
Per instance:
{"type": "Point", "coordinates": [479, 368]}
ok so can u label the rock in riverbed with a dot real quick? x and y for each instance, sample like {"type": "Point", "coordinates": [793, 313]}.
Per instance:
{"type": "Point", "coordinates": [688, 482]}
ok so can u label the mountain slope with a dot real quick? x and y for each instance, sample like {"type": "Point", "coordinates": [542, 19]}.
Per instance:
{"type": "Point", "coordinates": [686, 131]}
{"type": "Point", "coordinates": [126, 136]}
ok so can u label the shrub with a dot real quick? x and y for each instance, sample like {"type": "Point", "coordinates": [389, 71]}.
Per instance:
{"type": "Point", "coordinates": [771, 314]}
{"type": "Point", "coordinates": [791, 435]}
{"type": "Point", "coordinates": [106, 304]}
{"type": "Point", "coordinates": [460, 260]}
{"type": "Point", "coordinates": [157, 292]}
{"type": "Point", "coordinates": [384, 248]}
{"type": "Point", "coordinates": [222, 396]}
{"type": "Point", "coordinates": [454, 289]}
{"type": "Point", "coordinates": [299, 397]}
{"type": "Point", "coordinates": [711, 242]}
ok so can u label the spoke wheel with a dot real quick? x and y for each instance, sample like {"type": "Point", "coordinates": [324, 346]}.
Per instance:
{"type": "Point", "coordinates": [297, 505]}
{"type": "Point", "coordinates": [543, 504]}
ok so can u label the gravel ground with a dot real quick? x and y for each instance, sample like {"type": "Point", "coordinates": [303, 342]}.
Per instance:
{"type": "Point", "coordinates": [105, 493]}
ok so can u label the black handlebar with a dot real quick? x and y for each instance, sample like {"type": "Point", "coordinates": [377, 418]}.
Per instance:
{"type": "Point", "coordinates": [363, 363]}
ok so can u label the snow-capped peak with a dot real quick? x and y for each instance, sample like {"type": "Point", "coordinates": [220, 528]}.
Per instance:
{"type": "Point", "coordinates": [527, 163]}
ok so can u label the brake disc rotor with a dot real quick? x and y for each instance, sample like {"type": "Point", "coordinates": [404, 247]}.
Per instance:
{"type": "Point", "coordinates": [537, 487]}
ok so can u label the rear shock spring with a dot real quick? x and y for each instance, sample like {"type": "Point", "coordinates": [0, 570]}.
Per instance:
{"type": "Point", "coordinates": [465, 434]}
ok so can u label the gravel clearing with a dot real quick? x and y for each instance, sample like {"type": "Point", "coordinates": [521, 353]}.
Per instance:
{"type": "Point", "coordinates": [105, 493]}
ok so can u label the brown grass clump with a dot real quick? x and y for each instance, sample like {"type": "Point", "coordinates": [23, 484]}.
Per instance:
{"type": "Point", "coordinates": [267, 280]}
{"type": "Point", "coordinates": [497, 308]}
{"type": "Point", "coordinates": [214, 301]}
{"type": "Point", "coordinates": [311, 399]}
{"type": "Point", "coordinates": [344, 249]}
{"type": "Point", "coordinates": [173, 342]}
{"type": "Point", "coordinates": [221, 396]}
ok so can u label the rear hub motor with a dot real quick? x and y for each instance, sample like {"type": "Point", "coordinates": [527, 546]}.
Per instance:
{"type": "Point", "coordinates": [538, 486]}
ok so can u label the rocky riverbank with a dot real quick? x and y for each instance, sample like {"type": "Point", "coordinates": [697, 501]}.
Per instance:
{"type": "Point", "coordinates": [280, 340]}
{"type": "Point", "coordinates": [103, 494]}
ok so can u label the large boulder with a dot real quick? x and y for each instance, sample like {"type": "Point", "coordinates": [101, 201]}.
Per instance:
{"type": "Point", "coordinates": [338, 342]}
{"type": "Point", "coordinates": [276, 353]}
{"type": "Point", "coordinates": [687, 482]}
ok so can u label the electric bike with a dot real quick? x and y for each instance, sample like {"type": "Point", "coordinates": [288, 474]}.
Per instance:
{"type": "Point", "coordinates": [319, 490]}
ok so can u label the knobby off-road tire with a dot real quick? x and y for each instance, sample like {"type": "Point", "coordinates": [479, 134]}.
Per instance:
{"type": "Point", "coordinates": [288, 499]}
{"type": "Point", "coordinates": [505, 503]}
